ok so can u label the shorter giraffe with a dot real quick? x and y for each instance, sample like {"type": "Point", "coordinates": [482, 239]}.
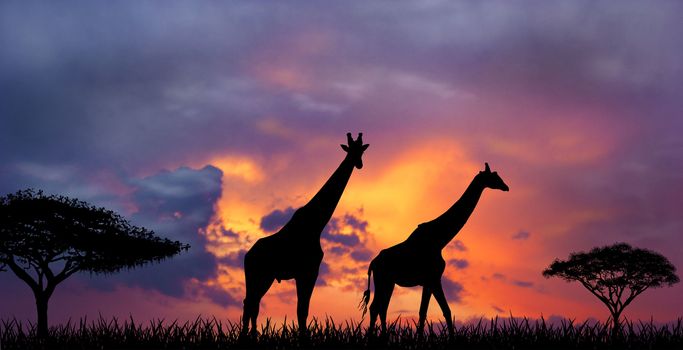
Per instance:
{"type": "Point", "coordinates": [417, 261]}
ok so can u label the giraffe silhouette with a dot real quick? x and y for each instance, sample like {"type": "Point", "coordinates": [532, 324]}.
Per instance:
{"type": "Point", "coordinates": [417, 261]}
{"type": "Point", "coordinates": [294, 251]}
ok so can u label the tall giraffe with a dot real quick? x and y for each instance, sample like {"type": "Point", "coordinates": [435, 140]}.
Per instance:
{"type": "Point", "coordinates": [417, 261]}
{"type": "Point", "coordinates": [294, 251]}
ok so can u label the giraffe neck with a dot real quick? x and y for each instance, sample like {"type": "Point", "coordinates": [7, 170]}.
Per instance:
{"type": "Point", "coordinates": [322, 205]}
{"type": "Point", "coordinates": [450, 222]}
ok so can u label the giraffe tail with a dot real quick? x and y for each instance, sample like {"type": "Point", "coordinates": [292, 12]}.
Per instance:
{"type": "Point", "coordinates": [363, 305]}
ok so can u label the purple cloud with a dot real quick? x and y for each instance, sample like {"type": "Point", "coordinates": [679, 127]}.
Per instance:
{"type": "Point", "coordinates": [234, 259]}
{"type": "Point", "coordinates": [459, 246]}
{"type": "Point", "coordinates": [277, 218]}
{"type": "Point", "coordinates": [361, 254]}
{"type": "Point", "coordinates": [452, 289]}
{"type": "Point", "coordinates": [221, 297]}
{"type": "Point", "coordinates": [355, 223]}
{"type": "Point", "coordinates": [175, 204]}
{"type": "Point", "coordinates": [523, 284]}
{"type": "Point", "coordinates": [498, 276]}
{"type": "Point", "coordinates": [521, 235]}
{"type": "Point", "coordinates": [323, 273]}
{"type": "Point", "coordinates": [459, 263]}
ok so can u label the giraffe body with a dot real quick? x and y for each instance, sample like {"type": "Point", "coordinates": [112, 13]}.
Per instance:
{"type": "Point", "coordinates": [418, 260]}
{"type": "Point", "coordinates": [294, 252]}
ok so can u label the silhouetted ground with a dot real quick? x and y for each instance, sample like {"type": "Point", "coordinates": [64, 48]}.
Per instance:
{"type": "Point", "coordinates": [215, 334]}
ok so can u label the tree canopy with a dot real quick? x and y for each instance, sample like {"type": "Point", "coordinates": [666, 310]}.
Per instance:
{"type": "Point", "coordinates": [44, 239]}
{"type": "Point", "coordinates": [615, 274]}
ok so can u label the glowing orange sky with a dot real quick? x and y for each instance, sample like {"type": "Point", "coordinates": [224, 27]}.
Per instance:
{"type": "Point", "coordinates": [200, 120]}
{"type": "Point", "coordinates": [399, 189]}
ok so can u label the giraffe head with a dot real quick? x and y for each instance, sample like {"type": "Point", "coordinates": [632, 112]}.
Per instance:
{"type": "Point", "coordinates": [355, 149]}
{"type": "Point", "coordinates": [491, 179]}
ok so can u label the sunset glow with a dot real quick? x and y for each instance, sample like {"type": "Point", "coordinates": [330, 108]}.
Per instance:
{"type": "Point", "coordinates": [210, 125]}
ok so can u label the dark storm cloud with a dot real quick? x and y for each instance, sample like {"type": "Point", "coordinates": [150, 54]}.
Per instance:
{"type": "Point", "coordinates": [176, 205]}
{"type": "Point", "coordinates": [118, 87]}
{"type": "Point", "coordinates": [123, 84]}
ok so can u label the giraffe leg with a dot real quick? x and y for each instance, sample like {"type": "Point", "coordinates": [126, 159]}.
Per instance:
{"type": "Point", "coordinates": [380, 303]}
{"type": "Point", "coordinates": [374, 311]}
{"type": "Point", "coordinates": [375, 307]}
{"type": "Point", "coordinates": [385, 297]}
{"type": "Point", "coordinates": [424, 305]}
{"type": "Point", "coordinates": [443, 303]}
{"type": "Point", "coordinates": [304, 290]}
{"type": "Point", "coordinates": [257, 285]}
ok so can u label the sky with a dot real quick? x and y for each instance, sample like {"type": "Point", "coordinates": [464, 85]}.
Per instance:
{"type": "Point", "coordinates": [211, 122]}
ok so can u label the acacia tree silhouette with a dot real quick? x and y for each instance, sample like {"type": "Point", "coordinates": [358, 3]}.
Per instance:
{"type": "Point", "coordinates": [294, 251]}
{"type": "Point", "coordinates": [45, 239]}
{"type": "Point", "coordinates": [417, 261]}
{"type": "Point", "coordinates": [615, 274]}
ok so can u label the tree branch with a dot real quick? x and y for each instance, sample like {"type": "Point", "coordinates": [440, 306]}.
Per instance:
{"type": "Point", "coordinates": [632, 296]}
{"type": "Point", "coordinates": [602, 298]}
{"type": "Point", "coordinates": [69, 269]}
{"type": "Point", "coordinates": [21, 273]}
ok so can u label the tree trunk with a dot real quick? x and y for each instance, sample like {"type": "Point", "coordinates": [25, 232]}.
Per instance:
{"type": "Point", "coordinates": [616, 325]}
{"type": "Point", "coordinates": [41, 305]}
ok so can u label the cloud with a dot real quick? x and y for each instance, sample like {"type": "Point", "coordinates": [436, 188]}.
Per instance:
{"type": "Point", "coordinates": [274, 220]}
{"type": "Point", "coordinates": [523, 284]}
{"type": "Point", "coordinates": [323, 273]}
{"type": "Point", "coordinates": [452, 289]}
{"type": "Point", "coordinates": [333, 233]}
{"type": "Point", "coordinates": [339, 250]}
{"type": "Point", "coordinates": [459, 263]}
{"type": "Point", "coordinates": [234, 259]}
{"type": "Point", "coordinates": [177, 205]}
{"type": "Point", "coordinates": [521, 235]}
{"type": "Point", "coordinates": [459, 246]}
{"type": "Point", "coordinates": [220, 297]}
{"type": "Point", "coordinates": [498, 276]}
{"type": "Point", "coordinates": [519, 283]}
{"type": "Point", "coordinates": [355, 222]}
{"type": "Point", "coordinates": [307, 103]}
{"type": "Point", "coordinates": [361, 254]}
{"type": "Point", "coordinates": [497, 309]}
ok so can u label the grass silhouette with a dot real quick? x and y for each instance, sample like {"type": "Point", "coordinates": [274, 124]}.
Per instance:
{"type": "Point", "coordinates": [211, 333]}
